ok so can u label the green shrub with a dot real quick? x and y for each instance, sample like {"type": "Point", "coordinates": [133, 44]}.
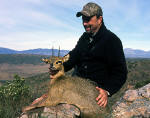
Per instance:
{"type": "Point", "coordinates": [142, 83]}
{"type": "Point", "coordinates": [13, 95]}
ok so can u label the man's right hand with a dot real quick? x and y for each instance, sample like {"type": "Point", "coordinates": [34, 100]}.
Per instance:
{"type": "Point", "coordinates": [102, 99]}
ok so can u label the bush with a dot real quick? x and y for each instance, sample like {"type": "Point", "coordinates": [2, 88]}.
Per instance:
{"type": "Point", "coordinates": [13, 95]}
{"type": "Point", "coordinates": [142, 83]}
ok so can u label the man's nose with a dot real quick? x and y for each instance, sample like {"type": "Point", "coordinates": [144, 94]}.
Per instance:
{"type": "Point", "coordinates": [85, 23]}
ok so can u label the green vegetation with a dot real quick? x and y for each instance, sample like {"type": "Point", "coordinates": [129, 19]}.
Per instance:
{"type": "Point", "coordinates": [13, 95]}
{"type": "Point", "coordinates": [38, 84]}
{"type": "Point", "coordinates": [35, 86]}
{"type": "Point", "coordinates": [142, 83]}
{"type": "Point", "coordinates": [138, 72]}
{"type": "Point", "coordinates": [20, 92]}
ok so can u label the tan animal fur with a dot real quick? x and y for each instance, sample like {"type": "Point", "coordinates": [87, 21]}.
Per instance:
{"type": "Point", "coordinates": [71, 90]}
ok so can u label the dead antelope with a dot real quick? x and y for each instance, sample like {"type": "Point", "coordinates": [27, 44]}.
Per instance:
{"type": "Point", "coordinates": [70, 90]}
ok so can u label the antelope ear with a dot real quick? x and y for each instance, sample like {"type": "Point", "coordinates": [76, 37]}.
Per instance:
{"type": "Point", "coordinates": [47, 61]}
{"type": "Point", "coordinates": [66, 58]}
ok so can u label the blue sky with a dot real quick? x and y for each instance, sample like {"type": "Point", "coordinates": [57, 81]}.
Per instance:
{"type": "Point", "coordinates": [30, 24]}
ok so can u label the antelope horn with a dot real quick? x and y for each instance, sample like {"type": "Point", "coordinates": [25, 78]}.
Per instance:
{"type": "Point", "coordinates": [52, 51]}
{"type": "Point", "coordinates": [59, 52]}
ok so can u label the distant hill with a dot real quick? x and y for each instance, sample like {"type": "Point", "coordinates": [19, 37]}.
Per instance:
{"type": "Point", "coordinates": [38, 51]}
{"type": "Point", "coordinates": [135, 53]}
{"type": "Point", "coordinates": [129, 53]}
{"type": "Point", "coordinates": [7, 51]}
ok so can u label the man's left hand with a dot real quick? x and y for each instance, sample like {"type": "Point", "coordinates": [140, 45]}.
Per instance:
{"type": "Point", "coordinates": [102, 99]}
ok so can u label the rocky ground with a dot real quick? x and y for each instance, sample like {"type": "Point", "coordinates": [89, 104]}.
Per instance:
{"type": "Point", "coordinates": [59, 111]}
{"type": "Point", "coordinates": [134, 104]}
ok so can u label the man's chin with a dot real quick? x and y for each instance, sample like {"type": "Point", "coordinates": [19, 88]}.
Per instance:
{"type": "Point", "coordinates": [89, 32]}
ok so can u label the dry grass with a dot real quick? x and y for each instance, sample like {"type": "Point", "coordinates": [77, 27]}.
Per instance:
{"type": "Point", "coordinates": [7, 71]}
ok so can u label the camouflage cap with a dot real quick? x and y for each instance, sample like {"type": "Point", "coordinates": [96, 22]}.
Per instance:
{"type": "Point", "coordinates": [90, 9]}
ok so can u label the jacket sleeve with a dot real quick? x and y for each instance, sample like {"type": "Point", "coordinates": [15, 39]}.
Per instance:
{"type": "Point", "coordinates": [116, 65]}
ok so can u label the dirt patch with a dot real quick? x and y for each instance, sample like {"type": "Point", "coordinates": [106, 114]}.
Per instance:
{"type": "Point", "coordinates": [7, 71]}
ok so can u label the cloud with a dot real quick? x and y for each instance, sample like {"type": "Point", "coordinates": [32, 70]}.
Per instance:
{"type": "Point", "coordinates": [26, 22]}
{"type": "Point", "coordinates": [31, 40]}
{"type": "Point", "coordinates": [36, 2]}
{"type": "Point", "coordinates": [27, 15]}
{"type": "Point", "coordinates": [67, 3]}
{"type": "Point", "coordinates": [7, 22]}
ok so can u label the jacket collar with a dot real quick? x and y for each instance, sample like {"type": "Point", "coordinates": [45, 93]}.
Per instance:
{"type": "Point", "coordinates": [100, 32]}
{"type": "Point", "coordinates": [98, 35]}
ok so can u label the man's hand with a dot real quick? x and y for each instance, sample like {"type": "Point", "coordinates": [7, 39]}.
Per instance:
{"type": "Point", "coordinates": [102, 99]}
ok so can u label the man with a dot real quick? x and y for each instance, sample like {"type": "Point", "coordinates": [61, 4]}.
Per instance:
{"type": "Point", "coordinates": [98, 55]}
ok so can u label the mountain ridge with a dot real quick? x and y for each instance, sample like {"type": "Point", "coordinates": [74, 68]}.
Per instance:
{"type": "Point", "coordinates": [129, 52]}
{"type": "Point", "coordinates": [38, 51]}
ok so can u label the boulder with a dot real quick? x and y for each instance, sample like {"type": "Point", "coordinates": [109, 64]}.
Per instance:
{"type": "Point", "coordinates": [133, 104]}
{"type": "Point", "coordinates": [59, 111]}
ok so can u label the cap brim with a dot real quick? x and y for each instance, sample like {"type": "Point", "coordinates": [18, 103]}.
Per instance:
{"type": "Point", "coordinates": [78, 14]}
{"type": "Point", "coordinates": [82, 13]}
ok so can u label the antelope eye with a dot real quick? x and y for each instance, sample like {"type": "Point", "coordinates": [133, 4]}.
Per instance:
{"type": "Point", "coordinates": [59, 62]}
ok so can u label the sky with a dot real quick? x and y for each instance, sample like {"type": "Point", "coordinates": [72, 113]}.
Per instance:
{"type": "Point", "coordinates": [31, 24]}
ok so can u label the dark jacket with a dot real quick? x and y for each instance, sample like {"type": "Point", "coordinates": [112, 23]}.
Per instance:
{"type": "Point", "coordinates": [101, 60]}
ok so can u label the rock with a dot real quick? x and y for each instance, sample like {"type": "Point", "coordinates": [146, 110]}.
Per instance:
{"type": "Point", "coordinates": [131, 95]}
{"type": "Point", "coordinates": [145, 91]}
{"type": "Point", "coordinates": [59, 111]}
{"type": "Point", "coordinates": [134, 103]}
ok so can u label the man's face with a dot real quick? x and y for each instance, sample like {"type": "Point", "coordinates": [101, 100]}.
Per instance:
{"type": "Point", "coordinates": [91, 24]}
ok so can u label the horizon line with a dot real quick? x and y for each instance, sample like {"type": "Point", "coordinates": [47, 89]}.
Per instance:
{"type": "Point", "coordinates": [67, 49]}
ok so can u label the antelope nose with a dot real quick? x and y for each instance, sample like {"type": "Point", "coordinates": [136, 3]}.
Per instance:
{"type": "Point", "coordinates": [51, 65]}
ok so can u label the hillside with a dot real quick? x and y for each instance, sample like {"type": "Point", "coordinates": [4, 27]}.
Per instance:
{"type": "Point", "coordinates": [138, 72]}
{"type": "Point", "coordinates": [24, 65]}
{"type": "Point", "coordinates": [21, 59]}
